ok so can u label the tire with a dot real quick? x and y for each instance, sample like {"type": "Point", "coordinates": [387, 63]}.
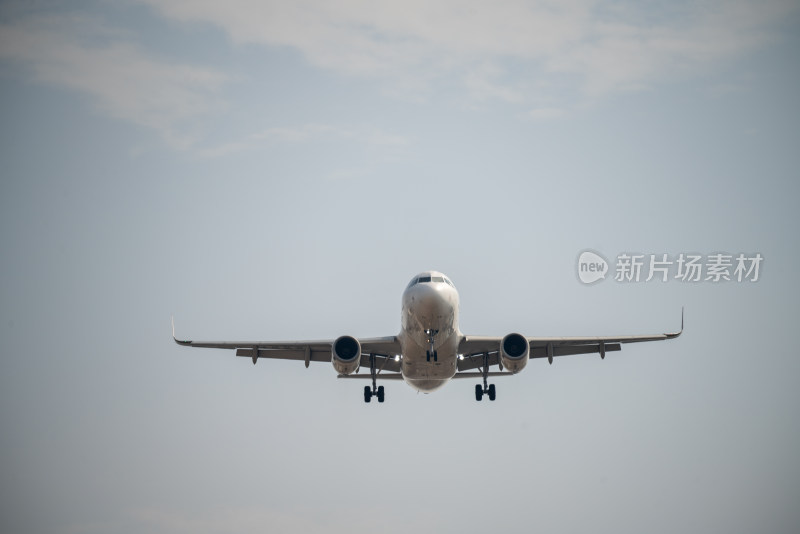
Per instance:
{"type": "Point", "coordinates": [367, 393]}
{"type": "Point", "coordinates": [492, 392]}
{"type": "Point", "coordinates": [478, 392]}
{"type": "Point", "coordinates": [381, 394]}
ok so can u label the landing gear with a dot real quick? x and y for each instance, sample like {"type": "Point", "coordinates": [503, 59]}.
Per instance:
{"type": "Point", "coordinates": [368, 393]}
{"type": "Point", "coordinates": [487, 388]}
{"type": "Point", "coordinates": [431, 351]}
{"type": "Point", "coordinates": [374, 390]}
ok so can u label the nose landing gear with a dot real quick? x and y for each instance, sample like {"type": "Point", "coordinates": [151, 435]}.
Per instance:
{"type": "Point", "coordinates": [431, 351]}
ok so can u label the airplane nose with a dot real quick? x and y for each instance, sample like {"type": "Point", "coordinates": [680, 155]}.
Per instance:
{"type": "Point", "coordinates": [432, 300]}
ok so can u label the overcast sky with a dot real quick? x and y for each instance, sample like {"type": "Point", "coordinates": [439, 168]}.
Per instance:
{"type": "Point", "coordinates": [281, 171]}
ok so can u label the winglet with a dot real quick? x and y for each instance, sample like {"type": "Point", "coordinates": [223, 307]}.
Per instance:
{"type": "Point", "coordinates": [178, 341]}
{"type": "Point", "coordinates": [676, 334]}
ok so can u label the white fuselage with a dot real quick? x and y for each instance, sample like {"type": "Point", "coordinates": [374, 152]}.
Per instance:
{"type": "Point", "coordinates": [430, 308]}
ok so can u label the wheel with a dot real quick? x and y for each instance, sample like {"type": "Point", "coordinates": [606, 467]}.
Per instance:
{"type": "Point", "coordinates": [492, 392]}
{"type": "Point", "coordinates": [427, 355]}
{"type": "Point", "coordinates": [478, 392]}
{"type": "Point", "coordinates": [367, 393]}
{"type": "Point", "coordinates": [436, 355]}
{"type": "Point", "coordinates": [381, 394]}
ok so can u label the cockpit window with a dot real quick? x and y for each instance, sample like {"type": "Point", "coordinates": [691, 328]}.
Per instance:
{"type": "Point", "coordinates": [438, 279]}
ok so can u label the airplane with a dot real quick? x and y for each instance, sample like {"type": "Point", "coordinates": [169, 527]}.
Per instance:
{"type": "Point", "coordinates": [430, 349]}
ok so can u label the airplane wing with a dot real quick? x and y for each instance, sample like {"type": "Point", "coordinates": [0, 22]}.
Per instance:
{"type": "Point", "coordinates": [476, 348]}
{"type": "Point", "coordinates": [384, 348]}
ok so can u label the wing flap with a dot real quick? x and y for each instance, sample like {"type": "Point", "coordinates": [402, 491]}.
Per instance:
{"type": "Point", "coordinates": [383, 363]}
{"type": "Point", "coordinates": [475, 361]}
{"type": "Point", "coordinates": [379, 376]}
{"type": "Point", "coordinates": [570, 350]}
{"type": "Point", "coordinates": [480, 375]}
{"type": "Point", "coordinates": [287, 354]}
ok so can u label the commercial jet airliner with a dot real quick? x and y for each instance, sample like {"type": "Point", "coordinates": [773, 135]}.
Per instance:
{"type": "Point", "coordinates": [430, 349]}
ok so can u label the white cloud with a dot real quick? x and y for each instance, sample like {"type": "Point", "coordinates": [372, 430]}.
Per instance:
{"type": "Point", "coordinates": [545, 113]}
{"type": "Point", "coordinates": [601, 47]}
{"type": "Point", "coordinates": [250, 519]}
{"type": "Point", "coordinates": [518, 52]}
{"type": "Point", "coordinates": [123, 80]}
{"type": "Point", "coordinates": [485, 82]}
{"type": "Point", "coordinates": [295, 134]}
{"type": "Point", "coordinates": [212, 520]}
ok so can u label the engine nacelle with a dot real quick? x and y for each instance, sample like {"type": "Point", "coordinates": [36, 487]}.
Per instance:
{"type": "Point", "coordinates": [514, 352]}
{"type": "Point", "coordinates": [346, 351]}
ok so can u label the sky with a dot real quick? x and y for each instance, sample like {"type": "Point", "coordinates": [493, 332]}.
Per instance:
{"type": "Point", "coordinates": [282, 170]}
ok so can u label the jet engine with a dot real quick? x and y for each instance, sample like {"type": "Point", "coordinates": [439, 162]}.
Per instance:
{"type": "Point", "coordinates": [346, 351]}
{"type": "Point", "coordinates": [514, 352]}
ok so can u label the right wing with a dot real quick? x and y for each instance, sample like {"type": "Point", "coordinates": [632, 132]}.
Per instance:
{"type": "Point", "coordinates": [384, 348]}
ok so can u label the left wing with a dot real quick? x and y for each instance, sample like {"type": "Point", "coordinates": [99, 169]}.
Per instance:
{"type": "Point", "coordinates": [384, 348]}
{"type": "Point", "coordinates": [476, 348]}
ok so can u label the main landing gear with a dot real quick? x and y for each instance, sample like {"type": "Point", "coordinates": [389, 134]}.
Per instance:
{"type": "Point", "coordinates": [369, 392]}
{"type": "Point", "coordinates": [479, 391]}
{"type": "Point", "coordinates": [431, 352]}
{"type": "Point", "coordinates": [487, 389]}
{"type": "Point", "coordinates": [375, 389]}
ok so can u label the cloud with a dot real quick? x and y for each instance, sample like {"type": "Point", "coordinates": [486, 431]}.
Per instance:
{"type": "Point", "coordinates": [124, 82]}
{"type": "Point", "coordinates": [365, 135]}
{"type": "Point", "coordinates": [520, 53]}
{"type": "Point", "coordinates": [211, 520]}
{"type": "Point", "coordinates": [485, 82]}
{"type": "Point", "coordinates": [174, 99]}
{"type": "Point", "coordinates": [599, 47]}
{"type": "Point", "coordinates": [545, 113]}
{"type": "Point", "coordinates": [250, 519]}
